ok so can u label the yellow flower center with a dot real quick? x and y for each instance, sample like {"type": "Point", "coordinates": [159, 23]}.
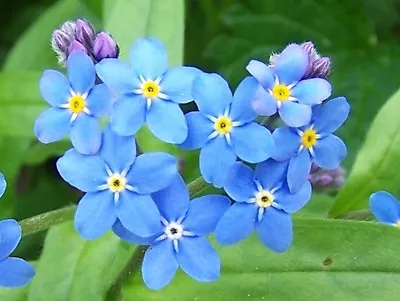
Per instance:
{"type": "Point", "coordinates": [264, 199]}
{"type": "Point", "coordinates": [76, 103]}
{"type": "Point", "coordinates": [116, 183]}
{"type": "Point", "coordinates": [150, 89]}
{"type": "Point", "coordinates": [309, 138]}
{"type": "Point", "coordinates": [281, 92]}
{"type": "Point", "coordinates": [223, 125]}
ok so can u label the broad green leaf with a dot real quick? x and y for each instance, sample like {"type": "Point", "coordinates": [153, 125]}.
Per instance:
{"type": "Point", "coordinates": [38, 152]}
{"type": "Point", "coordinates": [377, 164]}
{"type": "Point", "coordinates": [329, 260]}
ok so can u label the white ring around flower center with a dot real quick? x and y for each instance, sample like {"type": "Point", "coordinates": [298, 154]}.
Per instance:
{"type": "Point", "coordinates": [173, 231]}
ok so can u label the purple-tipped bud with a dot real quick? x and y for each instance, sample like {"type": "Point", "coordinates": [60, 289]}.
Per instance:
{"type": "Point", "coordinates": [85, 33]}
{"type": "Point", "coordinates": [105, 47]}
{"type": "Point", "coordinates": [321, 67]}
{"type": "Point", "coordinates": [76, 46]}
{"type": "Point", "coordinates": [326, 180]}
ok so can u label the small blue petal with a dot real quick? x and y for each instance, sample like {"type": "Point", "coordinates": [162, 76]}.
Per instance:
{"type": "Point", "coordinates": [99, 101]}
{"type": "Point", "coordinates": [262, 73]}
{"type": "Point", "coordinates": [148, 58]}
{"type": "Point", "coordinates": [264, 103]}
{"type": "Point", "coordinates": [287, 142]}
{"type": "Point", "coordinates": [329, 152]}
{"type": "Point", "coordinates": [86, 134]}
{"type": "Point", "coordinates": [54, 87]}
{"type": "Point", "coordinates": [252, 142]}
{"type": "Point", "coordinates": [241, 108]}
{"type": "Point", "coordinates": [81, 72]}
{"type": "Point", "coordinates": [177, 83]}
{"type": "Point", "coordinates": [167, 122]}
{"type": "Point", "coordinates": [237, 223]}
{"type": "Point", "coordinates": [276, 230]}
{"type": "Point", "coordinates": [198, 259]}
{"type": "Point", "coordinates": [216, 158]}
{"type": "Point", "coordinates": [385, 207]}
{"type": "Point", "coordinates": [293, 202]}
{"type": "Point", "coordinates": [204, 213]}
{"type": "Point", "coordinates": [86, 173]}
{"type": "Point", "coordinates": [239, 184]}
{"type": "Point", "coordinates": [159, 265]}
{"type": "Point", "coordinates": [128, 115]}
{"type": "Point", "coordinates": [10, 235]}
{"type": "Point", "coordinates": [291, 64]}
{"type": "Point", "coordinates": [295, 114]}
{"type": "Point", "coordinates": [271, 173]}
{"type": "Point", "coordinates": [52, 125]}
{"type": "Point", "coordinates": [173, 201]}
{"type": "Point", "coordinates": [3, 185]}
{"type": "Point", "coordinates": [119, 152]}
{"type": "Point", "coordinates": [138, 214]}
{"type": "Point", "coordinates": [95, 214]}
{"type": "Point", "coordinates": [15, 272]}
{"type": "Point", "coordinates": [329, 116]}
{"type": "Point", "coordinates": [152, 172]}
{"type": "Point", "coordinates": [128, 236]}
{"type": "Point", "coordinates": [117, 75]}
{"type": "Point", "coordinates": [312, 91]}
{"type": "Point", "coordinates": [211, 94]}
{"type": "Point", "coordinates": [199, 128]}
{"type": "Point", "coordinates": [299, 169]}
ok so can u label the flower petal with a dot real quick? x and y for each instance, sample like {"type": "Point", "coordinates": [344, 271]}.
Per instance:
{"type": "Point", "coordinates": [117, 75]}
{"type": "Point", "coordinates": [10, 236]}
{"type": "Point", "coordinates": [81, 72]}
{"type": "Point", "coordinates": [15, 272]}
{"type": "Point", "coordinates": [262, 73]}
{"type": "Point", "coordinates": [287, 142]}
{"type": "Point", "coordinates": [241, 108]}
{"type": "Point", "coordinates": [86, 134]}
{"type": "Point", "coordinates": [128, 115]}
{"type": "Point", "coordinates": [138, 214]}
{"type": "Point", "coordinates": [52, 125]}
{"type": "Point", "coordinates": [128, 236]}
{"type": "Point", "coordinates": [331, 115]}
{"type": "Point", "coordinates": [295, 114]}
{"type": "Point", "coordinates": [299, 169]}
{"type": "Point", "coordinates": [3, 185]}
{"type": "Point", "coordinates": [211, 94]}
{"type": "Point", "coordinates": [271, 174]}
{"type": "Point", "coordinates": [239, 184]}
{"type": "Point", "coordinates": [204, 213]}
{"type": "Point", "coordinates": [293, 202]}
{"type": "Point", "coordinates": [199, 128]}
{"type": "Point", "coordinates": [86, 173]}
{"type": "Point", "coordinates": [173, 201]}
{"type": "Point", "coordinates": [148, 58]}
{"type": "Point", "coordinates": [177, 83]}
{"type": "Point", "coordinates": [312, 91]}
{"type": "Point", "coordinates": [237, 223]}
{"type": "Point", "coordinates": [152, 172]}
{"type": "Point", "coordinates": [291, 64]}
{"type": "Point", "coordinates": [329, 152]}
{"type": "Point", "coordinates": [99, 101]}
{"type": "Point", "coordinates": [264, 103]}
{"type": "Point", "coordinates": [54, 87]}
{"type": "Point", "coordinates": [252, 142]}
{"type": "Point", "coordinates": [95, 214]}
{"type": "Point", "coordinates": [216, 158]}
{"type": "Point", "coordinates": [276, 230]}
{"type": "Point", "coordinates": [198, 259]}
{"type": "Point", "coordinates": [385, 207]}
{"type": "Point", "coordinates": [159, 265]}
{"type": "Point", "coordinates": [167, 122]}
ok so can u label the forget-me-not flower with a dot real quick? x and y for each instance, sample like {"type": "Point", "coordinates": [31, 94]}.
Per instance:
{"type": "Point", "coordinates": [149, 91]}
{"type": "Point", "coordinates": [223, 127]}
{"type": "Point", "coordinates": [117, 185]}
{"type": "Point", "coordinates": [263, 203]}
{"type": "Point", "coordinates": [313, 142]}
{"type": "Point", "coordinates": [282, 88]}
{"type": "Point", "coordinates": [76, 103]}
{"type": "Point", "coordinates": [182, 241]}
{"type": "Point", "coordinates": [385, 207]}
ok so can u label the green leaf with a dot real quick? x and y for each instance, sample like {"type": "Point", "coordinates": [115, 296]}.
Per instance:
{"type": "Point", "coordinates": [39, 153]}
{"type": "Point", "coordinates": [329, 260]}
{"type": "Point", "coordinates": [377, 164]}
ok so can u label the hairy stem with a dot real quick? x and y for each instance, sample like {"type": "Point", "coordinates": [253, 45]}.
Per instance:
{"type": "Point", "coordinates": [360, 215]}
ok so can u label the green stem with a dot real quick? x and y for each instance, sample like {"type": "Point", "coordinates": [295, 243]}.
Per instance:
{"type": "Point", "coordinates": [360, 215]}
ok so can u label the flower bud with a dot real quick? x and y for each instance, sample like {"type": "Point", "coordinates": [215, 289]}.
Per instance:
{"type": "Point", "coordinates": [76, 46]}
{"type": "Point", "coordinates": [326, 180]}
{"type": "Point", "coordinates": [321, 67]}
{"type": "Point", "coordinates": [85, 33]}
{"type": "Point", "coordinates": [105, 47]}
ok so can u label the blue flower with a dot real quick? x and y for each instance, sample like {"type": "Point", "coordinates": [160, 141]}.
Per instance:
{"type": "Point", "coordinates": [149, 91]}
{"type": "Point", "coordinates": [76, 105]}
{"type": "Point", "coordinates": [313, 142]}
{"type": "Point", "coordinates": [263, 203]}
{"type": "Point", "coordinates": [224, 128]}
{"type": "Point", "coordinates": [386, 208]}
{"type": "Point", "coordinates": [181, 241]}
{"type": "Point", "coordinates": [117, 185]}
{"type": "Point", "coordinates": [282, 88]}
